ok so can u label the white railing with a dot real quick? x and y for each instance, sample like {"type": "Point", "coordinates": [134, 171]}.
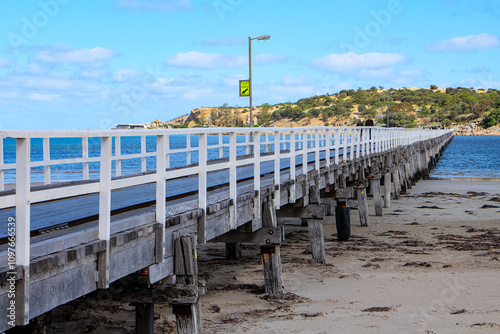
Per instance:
{"type": "Point", "coordinates": [103, 156]}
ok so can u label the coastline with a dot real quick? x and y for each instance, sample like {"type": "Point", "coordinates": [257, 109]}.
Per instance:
{"type": "Point", "coordinates": [429, 265]}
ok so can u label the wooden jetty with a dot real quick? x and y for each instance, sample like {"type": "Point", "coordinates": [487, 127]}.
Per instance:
{"type": "Point", "coordinates": [73, 238]}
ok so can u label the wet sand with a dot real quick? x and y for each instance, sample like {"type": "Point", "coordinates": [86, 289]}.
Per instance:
{"type": "Point", "coordinates": [431, 264]}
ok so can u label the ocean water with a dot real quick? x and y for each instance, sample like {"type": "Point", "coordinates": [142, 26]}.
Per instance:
{"type": "Point", "coordinates": [470, 157]}
{"type": "Point", "coordinates": [466, 157]}
{"type": "Point", "coordinates": [69, 148]}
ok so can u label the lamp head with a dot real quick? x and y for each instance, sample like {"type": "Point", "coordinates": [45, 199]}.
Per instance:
{"type": "Point", "coordinates": [263, 38]}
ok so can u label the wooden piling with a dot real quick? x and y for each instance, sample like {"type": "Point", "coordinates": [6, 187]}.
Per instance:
{"type": "Point", "coordinates": [187, 308]}
{"type": "Point", "coordinates": [233, 250]}
{"type": "Point", "coordinates": [317, 240]}
{"type": "Point", "coordinates": [363, 207]}
{"type": "Point", "coordinates": [377, 198]}
{"type": "Point", "coordinates": [144, 318]}
{"type": "Point", "coordinates": [271, 256]}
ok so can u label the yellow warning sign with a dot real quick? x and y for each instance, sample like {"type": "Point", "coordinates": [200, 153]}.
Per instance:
{"type": "Point", "coordinates": [244, 87]}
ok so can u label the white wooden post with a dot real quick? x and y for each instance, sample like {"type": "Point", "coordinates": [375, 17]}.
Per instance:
{"type": "Point", "coordinates": [118, 156]}
{"type": "Point", "coordinates": [344, 143]}
{"type": "Point", "coordinates": [256, 176]}
{"type": "Point", "coordinates": [202, 185]}
{"type": "Point", "coordinates": [46, 160]}
{"type": "Point", "coordinates": [352, 135]}
{"type": "Point", "coordinates": [104, 212]}
{"type": "Point", "coordinates": [221, 147]}
{"type": "Point", "coordinates": [247, 143]}
{"type": "Point", "coordinates": [23, 228]}
{"type": "Point", "coordinates": [188, 148]}
{"type": "Point", "coordinates": [304, 153]}
{"type": "Point", "coordinates": [2, 171]}
{"type": "Point", "coordinates": [232, 180]}
{"type": "Point", "coordinates": [277, 170]}
{"type": "Point", "coordinates": [359, 140]}
{"type": "Point", "coordinates": [292, 165]}
{"type": "Point", "coordinates": [328, 147]}
{"type": "Point", "coordinates": [167, 148]}
{"type": "Point", "coordinates": [143, 151]}
{"type": "Point", "coordinates": [267, 142]}
{"type": "Point", "coordinates": [337, 145]}
{"type": "Point", "coordinates": [161, 191]}
{"type": "Point", "coordinates": [85, 156]}
{"type": "Point", "coordinates": [317, 144]}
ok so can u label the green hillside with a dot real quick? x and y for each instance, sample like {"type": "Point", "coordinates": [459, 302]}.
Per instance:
{"type": "Point", "coordinates": [428, 107]}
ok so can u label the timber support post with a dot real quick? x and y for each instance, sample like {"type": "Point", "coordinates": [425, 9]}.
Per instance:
{"type": "Point", "coordinates": [387, 181]}
{"type": "Point", "coordinates": [270, 253]}
{"type": "Point", "coordinates": [144, 318]}
{"type": "Point", "coordinates": [317, 238]}
{"type": "Point", "coordinates": [342, 210]}
{"type": "Point", "coordinates": [233, 250]}
{"type": "Point", "coordinates": [377, 197]}
{"type": "Point", "coordinates": [315, 226]}
{"type": "Point", "coordinates": [186, 306]}
{"type": "Point", "coordinates": [362, 199]}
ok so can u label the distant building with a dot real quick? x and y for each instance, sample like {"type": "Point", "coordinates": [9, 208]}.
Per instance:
{"type": "Point", "coordinates": [129, 126]}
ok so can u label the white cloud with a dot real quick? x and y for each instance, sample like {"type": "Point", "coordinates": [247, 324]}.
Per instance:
{"type": "Point", "coordinates": [233, 80]}
{"type": "Point", "coordinates": [92, 74]}
{"type": "Point", "coordinates": [194, 94]}
{"type": "Point", "coordinates": [4, 62]}
{"type": "Point", "coordinates": [208, 61]}
{"type": "Point", "coordinates": [466, 43]}
{"type": "Point", "coordinates": [290, 80]}
{"type": "Point", "coordinates": [267, 59]}
{"type": "Point", "coordinates": [348, 62]}
{"type": "Point", "coordinates": [43, 97]}
{"type": "Point", "coordinates": [154, 5]}
{"type": "Point", "coordinates": [125, 74]}
{"type": "Point", "coordinates": [226, 41]}
{"type": "Point", "coordinates": [8, 95]}
{"type": "Point", "coordinates": [392, 75]}
{"type": "Point", "coordinates": [34, 82]}
{"type": "Point", "coordinates": [95, 56]}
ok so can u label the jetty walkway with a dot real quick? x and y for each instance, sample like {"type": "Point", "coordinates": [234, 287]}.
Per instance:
{"type": "Point", "coordinates": [63, 240]}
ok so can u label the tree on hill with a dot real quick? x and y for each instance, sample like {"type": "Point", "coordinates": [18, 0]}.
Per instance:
{"type": "Point", "coordinates": [264, 116]}
{"type": "Point", "coordinates": [226, 114]}
{"type": "Point", "coordinates": [492, 119]}
{"type": "Point", "coordinates": [454, 104]}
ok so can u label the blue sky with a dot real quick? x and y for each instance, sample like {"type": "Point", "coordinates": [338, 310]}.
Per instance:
{"type": "Point", "coordinates": [92, 64]}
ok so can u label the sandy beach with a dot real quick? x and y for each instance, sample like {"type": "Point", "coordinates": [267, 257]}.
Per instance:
{"type": "Point", "coordinates": [429, 265]}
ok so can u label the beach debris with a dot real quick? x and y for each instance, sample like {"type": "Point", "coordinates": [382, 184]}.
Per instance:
{"type": "Point", "coordinates": [286, 297]}
{"type": "Point", "coordinates": [429, 207]}
{"type": "Point", "coordinates": [473, 230]}
{"type": "Point", "coordinates": [459, 311]}
{"type": "Point", "coordinates": [378, 309]}
{"type": "Point", "coordinates": [252, 288]}
{"type": "Point", "coordinates": [485, 324]}
{"type": "Point", "coordinates": [214, 308]}
{"type": "Point", "coordinates": [485, 241]}
{"type": "Point", "coordinates": [487, 206]}
{"type": "Point", "coordinates": [476, 194]}
{"type": "Point", "coordinates": [371, 265]}
{"type": "Point", "coordinates": [495, 199]}
{"type": "Point", "coordinates": [417, 264]}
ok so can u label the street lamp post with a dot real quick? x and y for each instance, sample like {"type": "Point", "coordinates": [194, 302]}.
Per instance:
{"type": "Point", "coordinates": [250, 39]}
